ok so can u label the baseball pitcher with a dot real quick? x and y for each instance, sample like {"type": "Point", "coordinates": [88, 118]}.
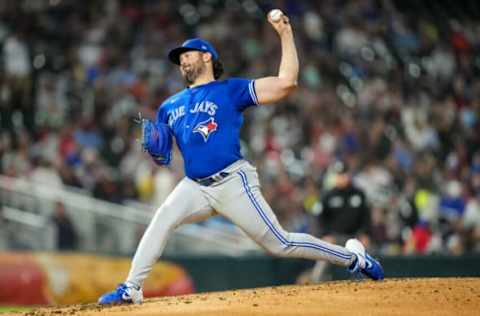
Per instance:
{"type": "Point", "coordinates": [205, 118]}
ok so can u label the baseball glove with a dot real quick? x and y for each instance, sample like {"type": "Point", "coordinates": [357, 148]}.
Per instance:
{"type": "Point", "coordinates": [156, 139]}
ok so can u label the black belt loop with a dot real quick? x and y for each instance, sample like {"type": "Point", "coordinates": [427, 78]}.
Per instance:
{"type": "Point", "coordinates": [212, 179]}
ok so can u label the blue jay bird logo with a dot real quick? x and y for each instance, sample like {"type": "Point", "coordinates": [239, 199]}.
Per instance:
{"type": "Point", "coordinates": [205, 128]}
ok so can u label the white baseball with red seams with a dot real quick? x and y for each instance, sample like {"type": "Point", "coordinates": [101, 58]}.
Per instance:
{"type": "Point", "coordinates": [275, 15]}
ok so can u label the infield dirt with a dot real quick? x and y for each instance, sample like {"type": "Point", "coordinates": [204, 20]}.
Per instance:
{"type": "Point", "coordinates": [428, 296]}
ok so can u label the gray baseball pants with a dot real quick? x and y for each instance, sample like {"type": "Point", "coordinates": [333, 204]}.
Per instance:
{"type": "Point", "coordinates": [238, 198]}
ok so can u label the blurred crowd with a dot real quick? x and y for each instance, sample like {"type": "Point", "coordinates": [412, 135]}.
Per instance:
{"type": "Point", "coordinates": [392, 90]}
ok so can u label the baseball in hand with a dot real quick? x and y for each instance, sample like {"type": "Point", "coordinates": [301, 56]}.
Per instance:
{"type": "Point", "coordinates": [275, 15]}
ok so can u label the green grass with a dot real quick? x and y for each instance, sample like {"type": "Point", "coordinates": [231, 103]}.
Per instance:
{"type": "Point", "coordinates": [9, 309]}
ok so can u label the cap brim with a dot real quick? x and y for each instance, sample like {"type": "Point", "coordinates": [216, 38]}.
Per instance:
{"type": "Point", "coordinates": [175, 53]}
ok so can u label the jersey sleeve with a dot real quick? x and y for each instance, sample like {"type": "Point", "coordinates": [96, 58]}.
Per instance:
{"type": "Point", "coordinates": [242, 93]}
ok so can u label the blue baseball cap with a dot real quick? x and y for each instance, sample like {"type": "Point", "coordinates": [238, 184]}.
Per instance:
{"type": "Point", "coordinates": [192, 44]}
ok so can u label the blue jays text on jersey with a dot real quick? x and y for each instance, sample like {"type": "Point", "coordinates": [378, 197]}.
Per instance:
{"type": "Point", "coordinates": [206, 121]}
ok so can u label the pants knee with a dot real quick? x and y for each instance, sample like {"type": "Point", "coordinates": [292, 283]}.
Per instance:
{"type": "Point", "coordinates": [277, 248]}
{"type": "Point", "coordinates": [277, 245]}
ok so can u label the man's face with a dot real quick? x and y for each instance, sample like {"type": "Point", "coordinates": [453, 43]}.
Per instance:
{"type": "Point", "coordinates": [192, 66]}
{"type": "Point", "coordinates": [342, 180]}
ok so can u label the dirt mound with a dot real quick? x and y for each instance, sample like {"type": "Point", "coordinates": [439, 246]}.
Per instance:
{"type": "Point", "coordinates": [429, 296]}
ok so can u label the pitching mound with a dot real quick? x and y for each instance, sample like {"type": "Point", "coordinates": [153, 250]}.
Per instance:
{"type": "Point", "coordinates": [430, 296]}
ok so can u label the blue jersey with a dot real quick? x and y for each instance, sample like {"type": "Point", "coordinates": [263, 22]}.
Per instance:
{"type": "Point", "coordinates": [206, 120]}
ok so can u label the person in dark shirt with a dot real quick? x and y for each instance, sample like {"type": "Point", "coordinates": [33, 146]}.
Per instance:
{"type": "Point", "coordinates": [66, 233]}
{"type": "Point", "coordinates": [344, 209]}
{"type": "Point", "coordinates": [343, 212]}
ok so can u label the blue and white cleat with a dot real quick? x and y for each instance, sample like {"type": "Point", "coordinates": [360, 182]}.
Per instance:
{"type": "Point", "coordinates": [123, 294]}
{"type": "Point", "coordinates": [365, 264]}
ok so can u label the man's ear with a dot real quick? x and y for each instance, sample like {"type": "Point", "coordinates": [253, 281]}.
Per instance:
{"type": "Point", "coordinates": [206, 57]}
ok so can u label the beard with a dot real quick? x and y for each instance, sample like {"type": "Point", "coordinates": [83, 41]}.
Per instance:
{"type": "Point", "coordinates": [193, 72]}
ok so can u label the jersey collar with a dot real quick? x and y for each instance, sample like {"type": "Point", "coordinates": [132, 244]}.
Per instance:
{"type": "Point", "coordinates": [202, 85]}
